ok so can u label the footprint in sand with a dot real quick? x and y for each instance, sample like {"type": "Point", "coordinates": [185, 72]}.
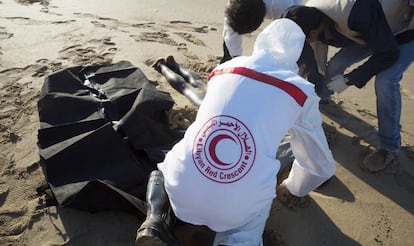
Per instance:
{"type": "Point", "coordinates": [180, 22]}
{"type": "Point", "coordinates": [190, 38]}
{"type": "Point", "coordinates": [144, 25]}
{"type": "Point", "coordinates": [204, 29]}
{"type": "Point", "coordinates": [3, 165]}
{"type": "Point", "coordinates": [158, 37]}
{"type": "Point", "coordinates": [188, 26]}
{"type": "Point", "coordinates": [9, 225]}
{"type": "Point", "coordinates": [4, 191]}
{"type": "Point", "coordinates": [98, 24]}
{"type": "Point", "coordinates": [63, 22]}
{"type": "Point", "coordinates": [86, 15]}
{"type": "Point", "coordinates": [52, 65]}
{"type": "Point", "coordinates": [4, 34]}
{"type": "Point", "coordinates": [17, 18]}
{"type": "Point", "coordinates": [98, 20]}
{"type": "Point", "coordinates": [27, 2]}
{"type": "Point", "coordinates": [182, 47]}
{"type": "Point", "coordinates": [201, 67]}
{"type": "Point", "coordinates": [15, 91]}
{"type": "Point", "coordinates": [95, 51]}
{"type": "Point", "coordinates": [108, 42]}
{"type": "Point", "coordinates": [46, 10]}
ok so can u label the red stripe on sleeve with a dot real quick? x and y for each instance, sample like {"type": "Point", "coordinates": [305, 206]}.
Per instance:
{"type": "Point", "coordinates": [291, 89]}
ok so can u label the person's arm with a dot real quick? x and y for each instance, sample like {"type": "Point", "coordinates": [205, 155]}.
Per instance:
{"type": "Point", "coordinates": [407, 35]}
{"type": "Point", "coordinates": [320, 50]}
{"type": "Point", "coordinates": [232, 43]}
{"type": "Point", "coordinates": [313, 163]}
{"type": "Point", "coordinates": [368, 19]}
{"type": "Point", "coordinates": [308, 67]}
{"type": "Point", "coordinates": [226, 54]}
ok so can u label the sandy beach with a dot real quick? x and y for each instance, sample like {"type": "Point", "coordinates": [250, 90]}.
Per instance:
{"type": "Point", "coordinates": [39, 37]}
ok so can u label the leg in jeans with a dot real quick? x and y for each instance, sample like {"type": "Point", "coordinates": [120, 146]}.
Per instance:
{"type": "Point", "coordinates": [387, 89]}
{"type": "Point", "coordinates": [339, 62]}
{"type": "Point", "coordinates": [249, 234]}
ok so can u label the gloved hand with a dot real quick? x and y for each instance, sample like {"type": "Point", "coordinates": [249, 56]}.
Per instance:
{"type": "Point", "coordinates": [337, 84]}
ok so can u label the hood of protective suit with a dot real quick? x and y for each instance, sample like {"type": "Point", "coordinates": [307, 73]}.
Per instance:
{"type": "Point", "coordinates": [283, 39]}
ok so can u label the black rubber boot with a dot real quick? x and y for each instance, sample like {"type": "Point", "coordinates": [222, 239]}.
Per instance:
{"type": "Point", "coordinates": [157, 227]}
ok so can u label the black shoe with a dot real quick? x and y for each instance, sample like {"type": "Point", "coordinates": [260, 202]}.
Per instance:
{"type": "Point", "coordinates": [379, 160]}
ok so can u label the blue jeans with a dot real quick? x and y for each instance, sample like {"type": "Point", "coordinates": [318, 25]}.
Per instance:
{"type": "Point", "coordinates": [387, 89]}
{"type": "Point", "coordinates": [249, 234]}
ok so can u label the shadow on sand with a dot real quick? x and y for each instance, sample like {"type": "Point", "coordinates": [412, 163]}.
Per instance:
{"type": "Point", "coordinates": [396, 182]}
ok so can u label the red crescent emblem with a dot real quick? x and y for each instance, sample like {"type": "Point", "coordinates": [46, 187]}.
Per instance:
{"type": "Point", "coordinates": [224, 149]}
{"type": "Point", "coordinates": [213, 146]}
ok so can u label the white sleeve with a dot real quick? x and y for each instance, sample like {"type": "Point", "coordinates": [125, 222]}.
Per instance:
{"type": "Point", "coordinates": [314, 163]}
{"type": "Point", "coordinates": [232, 39]}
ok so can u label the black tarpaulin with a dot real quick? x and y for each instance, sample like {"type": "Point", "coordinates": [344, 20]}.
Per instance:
{"type": "Point", "coordinates": [99, 129]}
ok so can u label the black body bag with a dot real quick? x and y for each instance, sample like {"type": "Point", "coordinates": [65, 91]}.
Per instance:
{"type": "Point", "coordinates": [102, 131]}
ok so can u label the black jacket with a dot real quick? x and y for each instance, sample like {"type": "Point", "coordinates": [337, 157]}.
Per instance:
{"type": "Point", "coordinates": [367, 18]}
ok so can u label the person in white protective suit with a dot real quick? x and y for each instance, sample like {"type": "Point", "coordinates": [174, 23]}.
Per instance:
{"type": "Point", "coordinates": [223, 173]}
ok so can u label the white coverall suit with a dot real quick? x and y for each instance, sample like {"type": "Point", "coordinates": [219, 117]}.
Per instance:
{"type": "Point", "coordinates": [222, 174]}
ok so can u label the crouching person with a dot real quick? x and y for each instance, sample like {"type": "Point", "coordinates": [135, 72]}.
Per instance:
{"type": "Point", "coordinates": [223, 173]}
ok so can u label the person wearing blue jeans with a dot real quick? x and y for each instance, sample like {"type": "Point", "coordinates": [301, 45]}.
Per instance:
{"type": "Point", "coordinates": [387, 89]}
{"type": "Point", "coordinates": [383, 32]}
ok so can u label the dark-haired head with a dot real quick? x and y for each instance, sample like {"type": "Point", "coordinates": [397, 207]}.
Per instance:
{"type": "Point", "coordinates": [308, 18]}
{"type": "Point", "coordinates": [245, 16]}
